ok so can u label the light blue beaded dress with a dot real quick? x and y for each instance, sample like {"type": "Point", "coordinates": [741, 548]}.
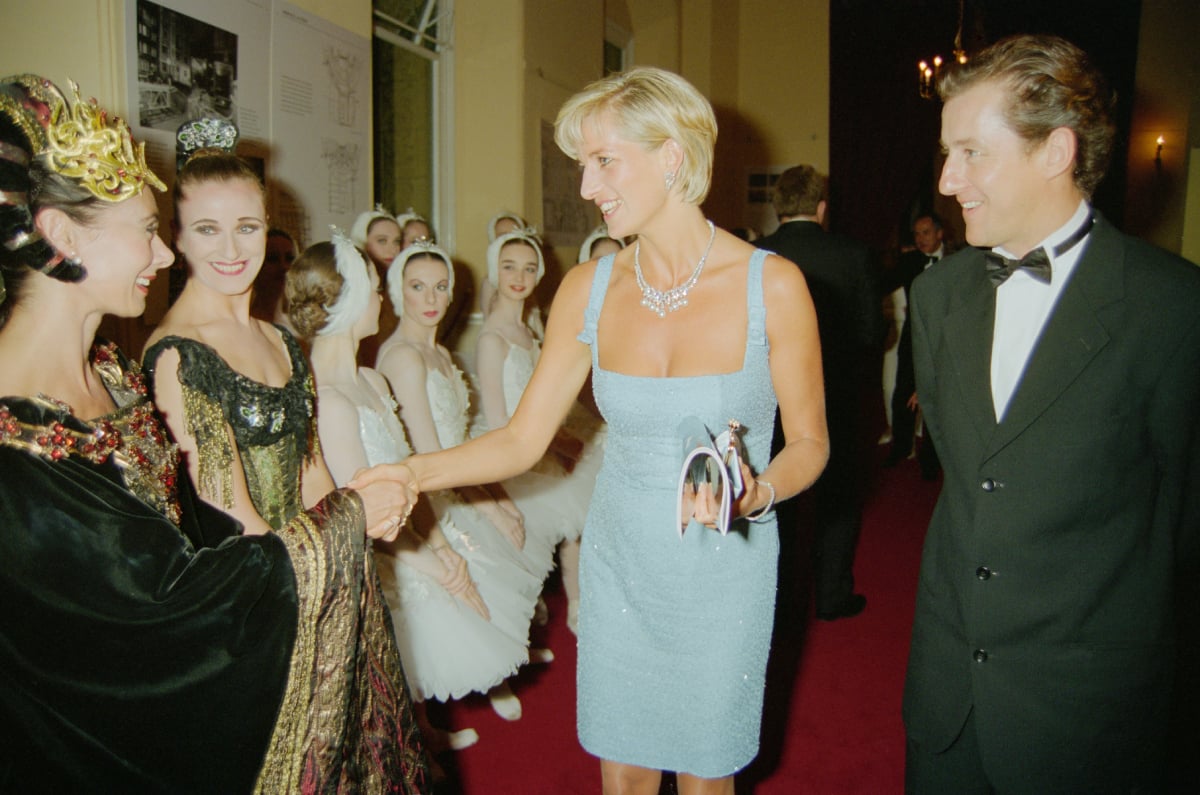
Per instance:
{"type": "Point", "coordinates": [674, 634]}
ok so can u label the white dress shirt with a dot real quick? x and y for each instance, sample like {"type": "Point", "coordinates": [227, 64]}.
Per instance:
{"type": "Point", "coordinates": [1023, 305]}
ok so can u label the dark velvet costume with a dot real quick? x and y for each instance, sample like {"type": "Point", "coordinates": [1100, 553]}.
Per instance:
{"type": "Point", "coordinates": [147, 646]}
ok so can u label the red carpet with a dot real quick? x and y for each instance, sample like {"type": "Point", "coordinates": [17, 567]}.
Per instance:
{"type": "Point", "coordinates": [832, 723]}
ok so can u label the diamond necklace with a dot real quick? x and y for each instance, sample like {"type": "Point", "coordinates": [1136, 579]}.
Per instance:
{"type": "Point", "coordinates": [660, 302]}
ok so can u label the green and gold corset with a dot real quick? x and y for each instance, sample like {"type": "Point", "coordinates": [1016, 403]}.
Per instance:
{"type": "Point", "coordinates": [274, 427]}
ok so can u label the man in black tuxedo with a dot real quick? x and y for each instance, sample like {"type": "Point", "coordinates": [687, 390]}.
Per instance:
{"type": "Point", "coordinates": [928, 236]}
{"type": "Point", "coordinates": [1060, 375]}
{"type": "Point", "coordinates": [844, 283]}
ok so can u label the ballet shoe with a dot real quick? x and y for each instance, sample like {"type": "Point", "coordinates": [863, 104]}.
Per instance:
{"type": "Point", "coordinates": [505, 702]}
{"type": "Point", "coordinates": [541, 613]}
{"type": "Point", "coordinates": [463, 738]}
{"type": "Point", "coordinates": [541, 656]}
{"type": "Point", "coordinates": [439, 740]}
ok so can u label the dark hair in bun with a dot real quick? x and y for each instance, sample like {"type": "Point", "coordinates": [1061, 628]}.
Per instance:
{"type": "Point", "coordinates": [312, 285]}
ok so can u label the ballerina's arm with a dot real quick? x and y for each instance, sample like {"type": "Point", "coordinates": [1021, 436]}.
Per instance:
{"type": "Point", "coordinates": [491, 350]}
{"type": "Point", "coordinates": [341, 441]}
{"type": "Point", "coordinates": [406, 371]}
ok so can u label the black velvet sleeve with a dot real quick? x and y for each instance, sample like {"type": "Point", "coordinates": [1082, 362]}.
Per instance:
{"type": "Point", "coordinates": [133, 657]}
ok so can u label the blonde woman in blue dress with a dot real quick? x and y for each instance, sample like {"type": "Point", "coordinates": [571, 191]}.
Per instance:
{"type": "Point", "coordinates": [432, 394]}
{"type": "Point", "coordinates": [674, 631]}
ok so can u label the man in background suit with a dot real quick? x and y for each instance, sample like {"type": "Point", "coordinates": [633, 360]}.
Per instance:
{"type": "Point", "coordinates": [1060, 563]}
{"type": "Point", "coordinates": [928, 237]}
{"type": "Point", "coordinates": [844, 284]}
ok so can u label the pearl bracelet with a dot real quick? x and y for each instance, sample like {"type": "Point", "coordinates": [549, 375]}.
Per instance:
{"type": "Point", "coordinates": [761, 513]}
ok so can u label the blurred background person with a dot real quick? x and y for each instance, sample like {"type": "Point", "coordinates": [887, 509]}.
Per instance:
{"type": "Point", "coordinates": [843, 279]}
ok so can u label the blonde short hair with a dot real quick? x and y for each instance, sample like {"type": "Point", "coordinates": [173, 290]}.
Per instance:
{"type": "Point", "coordinates": [650, 106]}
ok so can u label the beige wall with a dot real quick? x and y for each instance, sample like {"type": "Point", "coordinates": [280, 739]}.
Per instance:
{"type": "Point", "coordinates": [782, 93]}
{"type": "Point", "coordinates": [783, 80]}
{"type": "Point", "coordinates": [490, 173]}
{"type": "Point", "coordinates": [88, 49]}
{"type": "Point", "coordinates": [1161, 199]}
{"type": "Point", "coordinates": [88, 41]}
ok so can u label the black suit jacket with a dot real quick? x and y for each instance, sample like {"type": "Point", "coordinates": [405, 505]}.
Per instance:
{"type": "Point", "coordinates": [1052, 560]}
{"type": "Point", "coordinates": [844, 282]}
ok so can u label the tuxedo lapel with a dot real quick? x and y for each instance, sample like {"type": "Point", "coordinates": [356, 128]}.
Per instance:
{"type": "Point", "coordinates": [1073, 335]}
{"type": "Point", "coordinates": [969, 339]}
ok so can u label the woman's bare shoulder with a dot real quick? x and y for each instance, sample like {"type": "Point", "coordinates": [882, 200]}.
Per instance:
{"type": "Point", "coordinates": [399, 353]}
{"type": "Point", "coordinates": [781, 274]}
{"type": "Point", "coordinates": [376, 380]}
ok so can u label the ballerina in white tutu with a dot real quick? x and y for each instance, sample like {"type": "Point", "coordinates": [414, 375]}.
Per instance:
{"type": "Point", "coordinates": [461, 612]}
{"type": "Point", "coordinates": [433, 406]}
{"type": "Point", "coordinates": [507, 350]}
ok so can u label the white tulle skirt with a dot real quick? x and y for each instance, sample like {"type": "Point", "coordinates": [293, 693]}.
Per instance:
{"type": "Point", "coordinates": [447, 648]}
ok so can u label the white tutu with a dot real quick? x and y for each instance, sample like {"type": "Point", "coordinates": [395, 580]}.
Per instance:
{"type": "Point", "coordinates": [448, 649]}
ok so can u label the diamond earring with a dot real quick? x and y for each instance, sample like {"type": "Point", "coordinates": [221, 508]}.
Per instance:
{"type": "Point", "coordinates": [669, 180]}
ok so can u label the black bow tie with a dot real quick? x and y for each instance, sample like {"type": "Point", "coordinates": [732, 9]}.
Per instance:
{"type": "Point", "coordinates": [1000, 267]}
{"type": "Point", "coordinates": [1037, 262]}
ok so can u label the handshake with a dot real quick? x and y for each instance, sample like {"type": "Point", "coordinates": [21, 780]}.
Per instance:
{"type": "Point", "coordinates": [389, 492]}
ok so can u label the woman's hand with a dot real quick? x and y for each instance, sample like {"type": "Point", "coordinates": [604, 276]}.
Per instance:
{"type": "Point", "coordinates": [456, 579]}
{"type": "Point", "coordinates": [386, 502]}
{"type": "Point", "coordinates": [511, 527]}
{"type": "Point", "coordinates": [706, 508]}
{"type": "Point", "coordinates": [756, 495]}
{"type": "Point", "coordinates": [494, 503]}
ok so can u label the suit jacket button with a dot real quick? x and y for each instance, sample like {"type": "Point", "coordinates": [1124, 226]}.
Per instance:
{"type": "Point", "coordinates": [988, 485]}
{"type": "Point", "coordinates": [983, 573]}
{"type": "Point", "coordinates": [980, 656]}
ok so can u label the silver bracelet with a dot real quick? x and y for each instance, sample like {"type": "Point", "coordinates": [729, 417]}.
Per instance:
{"type": "Point", "coordinates": [759, 515]}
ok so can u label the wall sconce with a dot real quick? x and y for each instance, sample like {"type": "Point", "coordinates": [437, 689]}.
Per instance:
{"type": "Point", "coordinates": [1158, 152]}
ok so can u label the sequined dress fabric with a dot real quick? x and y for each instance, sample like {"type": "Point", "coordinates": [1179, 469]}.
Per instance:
{"type": "Point", "coordinates": [674, 634]}
{"type": "Point", "coordinates": [272, 426]}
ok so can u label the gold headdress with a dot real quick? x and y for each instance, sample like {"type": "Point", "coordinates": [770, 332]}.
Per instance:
{"type": "Point", "coordinates": [82, 143]}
